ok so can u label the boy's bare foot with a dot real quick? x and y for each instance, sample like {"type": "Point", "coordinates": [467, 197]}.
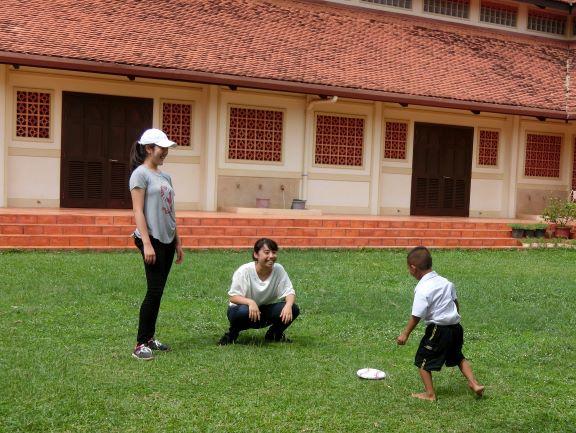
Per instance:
{"type": "Point", "coordinates": [424, 396]}
{"type": "Point", "coordinates": [477, 388]}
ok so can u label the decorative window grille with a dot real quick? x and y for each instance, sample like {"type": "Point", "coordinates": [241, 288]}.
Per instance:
{"type": "Point", "coordinates": [546, 22]}
{"type": "Point", "coordinates": [488, 148]}
{"type": "Point", "coordinates": [452, 8]}
{"type": "Point", "coordinates": [177, 122]}
{"type": "Point", "coordinates": [502, 15]}
{"type": "Point", "coordinates": [32, 114]}
{"type": "Point", "coordinates": [543, 155]}
{"type": "Point", "coordinates": [405, 4]}
{"type": "Point", "coordinates": [395, 140]}
{"type": "Point", "coordinates": [255, 135]}
{"type": "Point", "coordinates": [339, 140]}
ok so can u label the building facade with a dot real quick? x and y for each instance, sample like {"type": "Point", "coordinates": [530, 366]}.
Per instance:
{"type": "Point", "coordinates": [399, 108]}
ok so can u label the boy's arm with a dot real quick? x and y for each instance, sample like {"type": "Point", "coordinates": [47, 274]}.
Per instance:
{"type": "Point", "coordinates": [403, 337]}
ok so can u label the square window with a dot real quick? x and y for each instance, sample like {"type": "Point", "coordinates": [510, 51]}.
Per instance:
{"type": "Point", "coordinates": [338, 140]}
{"type": "Point", "coordinates": [177, 122]}
{"type": "Point", "coordinates": [32, 114]}
{"type": "Point", "coordinates": [262, 133]}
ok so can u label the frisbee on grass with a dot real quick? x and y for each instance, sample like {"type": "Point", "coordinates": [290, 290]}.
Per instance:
{"type": "Point", "coordinates": [371, 373]}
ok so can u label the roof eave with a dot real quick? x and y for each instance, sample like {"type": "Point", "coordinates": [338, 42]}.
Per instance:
{"type": "Point", "coordinates": [270, 84]}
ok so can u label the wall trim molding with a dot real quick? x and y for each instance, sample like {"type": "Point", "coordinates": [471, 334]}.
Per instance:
{"type": "Point", "coordinates": [259, 173]}
{"type": "Point", "coordinates": [348, 210]}
{"type": "Point", "coordinates": [34, 152]}
{"type": "Point", "coordinates": [487, 176]}
{"type": "Point", "coordinates": [396, 170]}
{"type": "Point", "coordinates": [34, 202]}
{"type": "Point", "coordinates": [340, 177]}
{"type": "Point", "coordinates": [182, 159]}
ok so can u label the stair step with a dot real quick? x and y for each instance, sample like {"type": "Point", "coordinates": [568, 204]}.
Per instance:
{"type": "Point", "coordinates": [105, 230]}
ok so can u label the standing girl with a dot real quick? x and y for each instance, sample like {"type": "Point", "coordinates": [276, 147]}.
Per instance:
{"type": "Point", "coordinates": [155, 234]}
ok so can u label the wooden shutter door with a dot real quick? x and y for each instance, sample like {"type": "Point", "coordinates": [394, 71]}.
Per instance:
{"type": "Point", "coordinates": [83, 152]}
{"type": "Point", "coordinates": [97, 133]}
{"type": "Point", "coordinates": [441, 170]}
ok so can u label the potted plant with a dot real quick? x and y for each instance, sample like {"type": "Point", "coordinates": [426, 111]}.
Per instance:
{"type": "Point", "coordinates": [517, 230]}
{"type": "Point", "coordinates": [539, 229]}
{"type": "Point", "coordinates": [560, 213]}
{"type": "Point", "coordinates": [529, 231]}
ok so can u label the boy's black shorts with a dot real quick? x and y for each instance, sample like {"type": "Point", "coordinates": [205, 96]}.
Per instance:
{"type": "Point", "coordinates": [441, 344]}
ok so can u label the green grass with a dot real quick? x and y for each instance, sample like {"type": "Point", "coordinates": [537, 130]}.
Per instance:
{"type": "Point", "coordinates": [68, 323]}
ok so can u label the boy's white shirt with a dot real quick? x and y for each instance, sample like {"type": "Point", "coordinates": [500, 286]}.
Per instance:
{"type": "Point", "coordinates": [245, 282]}
{"type": "Point", "coordinates": [434, 298]}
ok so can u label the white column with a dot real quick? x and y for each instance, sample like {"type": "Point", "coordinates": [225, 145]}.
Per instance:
{"type": "Point", "coordinates": [376, 162]}
{"type": "Point", "coordinates": [3, 135]}
{"type": "Point", "coordinates": [210, 151]}
{"type": "Point", "coordinates": [306, 149]}
{"type": "Point", "coordinates": [513, 160]}
{"type": "Point", "coordinates": [474, 11]}
{"type": "Point", "coordinates": [522, 22]}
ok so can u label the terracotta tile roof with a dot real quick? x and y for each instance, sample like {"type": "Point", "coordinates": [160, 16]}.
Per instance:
{"type": "Point", "coordinates": [289, 44]}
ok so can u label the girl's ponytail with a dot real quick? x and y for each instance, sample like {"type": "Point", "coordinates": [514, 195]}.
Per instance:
{"type": "Point", "coordinates": [137, 155]}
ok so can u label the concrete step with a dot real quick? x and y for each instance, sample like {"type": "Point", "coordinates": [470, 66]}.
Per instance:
{"type": "Point", "coordinates": [109, 230]}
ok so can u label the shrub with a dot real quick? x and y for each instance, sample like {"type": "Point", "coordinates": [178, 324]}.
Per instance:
{"type": "Point", "coordinates": [559, 212]}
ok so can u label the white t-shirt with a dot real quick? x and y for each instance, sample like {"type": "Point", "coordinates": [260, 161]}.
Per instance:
{"type": "Point", "coordinates": [245, 282]}
{"type": "Point", "coordinates": [434, 298]}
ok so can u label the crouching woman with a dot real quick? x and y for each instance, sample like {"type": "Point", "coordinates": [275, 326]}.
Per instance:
{"type": "Point", "coordinates": [261, 295]}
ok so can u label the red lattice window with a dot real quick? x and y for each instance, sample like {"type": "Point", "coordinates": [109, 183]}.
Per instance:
{"type": "Point", "coordinates": [488, 148]}
{"type": "Point", "coordinates": [177, 122]}
{"type": "Point", "coordinates": [32, 114]}
{"type": "Point", "coordinates": [339, 140]}
{"type": "Point", "coordinates": [543, 155]}
{"type": "Point", "coordinates": [255, 135]}
{"type": "Point", "coordinates": [395, 140]}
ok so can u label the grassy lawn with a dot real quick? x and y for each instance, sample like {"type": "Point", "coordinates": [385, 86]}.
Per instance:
{"type": "Point", "coordinates": [68, 324]}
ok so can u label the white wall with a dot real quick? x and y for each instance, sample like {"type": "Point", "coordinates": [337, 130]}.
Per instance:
{"type": "Point", "coordinates": [293, 107]}
{"type": "Point", "coordinates": [3, 137]}
{"type": "Point", "coordinates": [396, 176]}
{"type": "Point", "coordinates": [340, 189]}
{"type": "Point", "coordinates": [30, 169]}
{"type": "Point", "coordinates": [44, 155]}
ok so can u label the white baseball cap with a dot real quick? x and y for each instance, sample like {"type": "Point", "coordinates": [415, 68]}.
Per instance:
{"type": "Point", "coordinates": [157, 137]}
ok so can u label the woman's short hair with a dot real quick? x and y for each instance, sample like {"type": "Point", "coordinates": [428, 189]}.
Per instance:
{"type": "Point", "coordinates": [261, 243]}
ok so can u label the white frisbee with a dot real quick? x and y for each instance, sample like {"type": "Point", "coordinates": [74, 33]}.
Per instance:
{"type": "Point", "coordinates": [371, 373]}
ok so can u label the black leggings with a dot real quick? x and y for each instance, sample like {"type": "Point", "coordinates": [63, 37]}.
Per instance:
{"type": "Point", "coordinates": [156, 276]}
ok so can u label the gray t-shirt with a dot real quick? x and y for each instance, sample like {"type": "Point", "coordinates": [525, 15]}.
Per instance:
{"type": "Point", "coordinates": [158, 203]}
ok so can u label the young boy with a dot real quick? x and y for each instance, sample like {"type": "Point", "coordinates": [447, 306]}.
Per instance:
{"type": "Point", "coordinates": [435, 301]}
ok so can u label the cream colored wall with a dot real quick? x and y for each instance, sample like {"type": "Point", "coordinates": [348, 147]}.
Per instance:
{"type": "Point", "coordinates": [3, 137]}
{"type": "Point", "coordinates": [340, 189]}
{"type": "Point", "coordinates": [236, 184]}
{"type": "Point", "coordinates": [321, 186]}
{"type": "Point", "coordinates": [30, 170]}
{"type": "Point", "coordinates": [396, 175]}
{"type": "Point", "coordinates": [293, 107]}
{"type": "Point", "coordinates": [533, 192]}
{"type": "Point", "coordinates": [28, 153]}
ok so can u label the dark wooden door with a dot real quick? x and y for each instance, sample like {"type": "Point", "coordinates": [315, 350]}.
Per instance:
{"type": "Point", "coordinates": [97, 133]}
{"type": "Point", "coordinates": [441, 170]}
